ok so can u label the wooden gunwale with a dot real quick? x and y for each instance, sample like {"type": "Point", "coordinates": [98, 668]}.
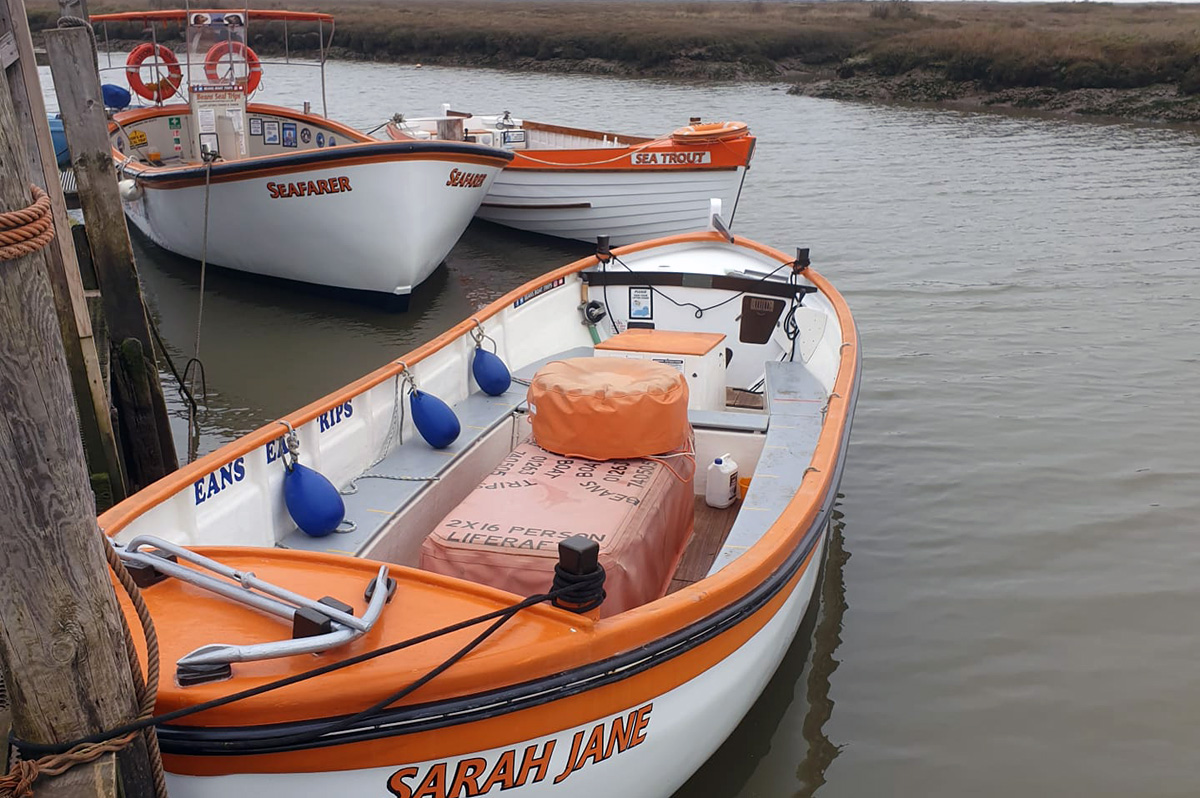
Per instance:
{"type": "Point", "coordinates": [597, 135]}
{"type": "Point", "coordinates": [364, 150]}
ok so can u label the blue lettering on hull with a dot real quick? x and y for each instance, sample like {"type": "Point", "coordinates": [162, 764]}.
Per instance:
{"type": "Point", "coordinates": [226, 476]}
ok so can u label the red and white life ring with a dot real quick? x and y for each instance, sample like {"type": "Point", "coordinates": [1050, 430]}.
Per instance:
{"type": "Point", "coordinates": [158, 90]}
{"type": "Point", "coordinates": [709, 132]}
{"type": "Point", "coordinates": [212, 63]}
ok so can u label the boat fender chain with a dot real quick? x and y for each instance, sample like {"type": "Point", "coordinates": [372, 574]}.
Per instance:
{"type": "Point", "coordinates": [27, 230]}
{"type": "Point", "coordinates": [395, 433]}
{"type": "Point", "coordinates": [18, 782]}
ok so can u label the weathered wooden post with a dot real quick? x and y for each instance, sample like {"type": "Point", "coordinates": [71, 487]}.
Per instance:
{"type": "Point", "coordinates": [66, 672]}
{"type": "Point", "coordinates": [145, 427]}
{"type": "Point", "coordinates": [73, 8]}
{"type": "Point", "coordinates": [87, 379]}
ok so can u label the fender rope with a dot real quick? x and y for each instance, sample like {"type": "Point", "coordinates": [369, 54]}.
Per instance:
{"type": "Point", "coordinates": [26, 231]}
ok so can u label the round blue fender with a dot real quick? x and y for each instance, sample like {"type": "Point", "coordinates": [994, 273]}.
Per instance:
{"type": "Point", "coordinates": [312, 500]}
{"type": "Point", "coordinates": [434, 419]}
{"type": "Point", "coordinates": [490, 372]}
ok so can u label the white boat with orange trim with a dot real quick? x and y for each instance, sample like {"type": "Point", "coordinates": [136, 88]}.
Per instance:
{"type": "Point", "coordinates": [570, 619]}
{"type": "Point", "coordinates": [274, 191]}
{"type": "Point", "coordinates": [576, 183]}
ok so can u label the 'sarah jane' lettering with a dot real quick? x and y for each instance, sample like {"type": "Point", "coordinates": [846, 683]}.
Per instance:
{"type": "Point", "coordinates": [514, 768]}
{"type": "Point", "coordinates": [309, 188]}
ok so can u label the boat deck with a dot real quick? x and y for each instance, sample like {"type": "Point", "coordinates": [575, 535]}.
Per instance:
{"type": "Point", "coordinates": [711, 528]}
{"type": "Point", "coordinates": [789, 422]}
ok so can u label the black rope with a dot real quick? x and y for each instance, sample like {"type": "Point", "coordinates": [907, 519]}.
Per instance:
{"type": "Point", "coordinates": [31, 750]}
{"type": "Point", "coordinates": [579, 592]}
{"type": "Point", "coordinates": [184, 393]}
{"type": "Point", "coordinates": [699, 310]}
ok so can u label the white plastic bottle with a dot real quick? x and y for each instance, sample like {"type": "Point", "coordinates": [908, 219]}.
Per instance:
{"type": "Point", "coordinates": [721, 487]}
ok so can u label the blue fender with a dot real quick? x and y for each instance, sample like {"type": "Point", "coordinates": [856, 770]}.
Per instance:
{"type": "Point", "coordinates": [312, 500]}
{"type": "Point", "coordinates": [434, 419]}
{"type": "Point", "coordinates": [490, 372]}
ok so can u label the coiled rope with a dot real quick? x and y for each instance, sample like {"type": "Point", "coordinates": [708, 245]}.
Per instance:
{"type": "Point", "coordinates": [18, 782]}
{"type": "Point", "coordinates": [25, 231]}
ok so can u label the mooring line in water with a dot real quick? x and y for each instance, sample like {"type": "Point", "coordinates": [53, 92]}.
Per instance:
{"type": "Point", "coordinates": [193, 420]}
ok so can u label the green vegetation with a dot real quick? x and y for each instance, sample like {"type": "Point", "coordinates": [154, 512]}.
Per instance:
{"type": "Point", "coordinates": [992, 46]}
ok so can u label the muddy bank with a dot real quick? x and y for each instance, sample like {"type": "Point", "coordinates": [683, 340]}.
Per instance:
{"type": "Point", "coordinates": [1158, 103]}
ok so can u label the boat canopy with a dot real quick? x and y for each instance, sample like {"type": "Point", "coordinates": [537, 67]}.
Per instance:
{"type": "Point", "coordinates": [179, 15]}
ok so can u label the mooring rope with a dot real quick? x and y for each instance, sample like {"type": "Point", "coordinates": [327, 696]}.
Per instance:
{"type": "Point", "coordinates": [27, 230]}
{"type": "Point", "coordinates": [193, 420]}
{"type": "Point", "coordinates": [18, 782]}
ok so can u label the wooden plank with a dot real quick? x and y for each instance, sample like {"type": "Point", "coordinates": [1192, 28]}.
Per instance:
{"type": "Point", "coordinates": [75, 325]}
{"type": "Point", "coordinates": [8, 50]}
{"type": "Point", "coordinates": [711, 528]}
{"type": "Point", "coordinates": [150, 453]}
{"type": "Point", "coordinates": [65, 668]}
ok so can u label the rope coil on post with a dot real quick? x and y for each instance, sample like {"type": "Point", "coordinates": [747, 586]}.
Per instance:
{"type": "Point", "coordinates": [18, 782]}
{"type": "Point", "coordinates": [26, 231]}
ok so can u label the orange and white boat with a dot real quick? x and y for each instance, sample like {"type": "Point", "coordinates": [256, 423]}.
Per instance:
{"type": "Point", "coordinates": [576, 183]}
{"type": "Point", "coordinates": [275, 191]}
{"type": "Point", "coordinates": [431, 671]}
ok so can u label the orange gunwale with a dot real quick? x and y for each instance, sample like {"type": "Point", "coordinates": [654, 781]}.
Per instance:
{"type": "Point", "coordinates": [500, 729]}
{"type": "Point", "coordinates": [611, 636]}
{"type": "Point", "coordinates": [726, 154]}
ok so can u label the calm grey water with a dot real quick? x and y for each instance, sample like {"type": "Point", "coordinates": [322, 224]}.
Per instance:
{"type": "Point", "coordinates": [1012, 604]}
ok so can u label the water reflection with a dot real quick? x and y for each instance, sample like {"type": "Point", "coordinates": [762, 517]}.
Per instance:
{"type": "Point", "coordinates": [810, 773]}
{"type": "Point", "coordinates": [745, 759]}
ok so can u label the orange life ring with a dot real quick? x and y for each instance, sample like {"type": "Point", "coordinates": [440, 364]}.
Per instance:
{"type": "Point", "coordinates": [212, 63]}
{"type": "Point", "coordinates": [709, 132]}
{"type": "Point", "coordinates": [159, 90]}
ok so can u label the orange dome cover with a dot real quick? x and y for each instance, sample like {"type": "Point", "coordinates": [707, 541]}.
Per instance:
{"type": "Point", "coordinates": [609, 408]}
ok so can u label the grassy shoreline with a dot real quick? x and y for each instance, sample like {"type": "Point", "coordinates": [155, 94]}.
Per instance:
{"type": "Point", "coordinates": [1135, 61]}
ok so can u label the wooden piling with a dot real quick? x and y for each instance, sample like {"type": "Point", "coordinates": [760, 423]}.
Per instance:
{"type": "Point", "coordinates": [65, 669]}
{"type": "Point", "coordinates": [149, 450]}
{"type": "Point", "coordinates": [17, 58]}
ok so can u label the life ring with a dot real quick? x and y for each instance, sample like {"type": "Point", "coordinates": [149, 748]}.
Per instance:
{"type": "Point", "coordinates": [155, 91]}
{"type": "Point", "coordinates": [212, 63]}
{"type": "Point", "coordinates": [709, 132]}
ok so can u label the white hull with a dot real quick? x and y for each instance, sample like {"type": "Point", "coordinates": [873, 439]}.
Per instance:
{"type": "Point", "coordinates": [385, 235]}
{"type": "Point", "coordinates": [685, 726]}
{"type": "Point", "coordinates": [625, 205]}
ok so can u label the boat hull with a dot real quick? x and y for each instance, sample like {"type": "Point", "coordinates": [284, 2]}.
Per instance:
{"type": "Point", "coordinates": [554, 702]}
{"type": "Point", "coordinates": [647, 749]}
{"type": "Point", "coordinates": [391, 220]}
{"type": "Point", "coordinates": [578, 184]}
{"type": "Point", "coordinates": [624, 204]}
